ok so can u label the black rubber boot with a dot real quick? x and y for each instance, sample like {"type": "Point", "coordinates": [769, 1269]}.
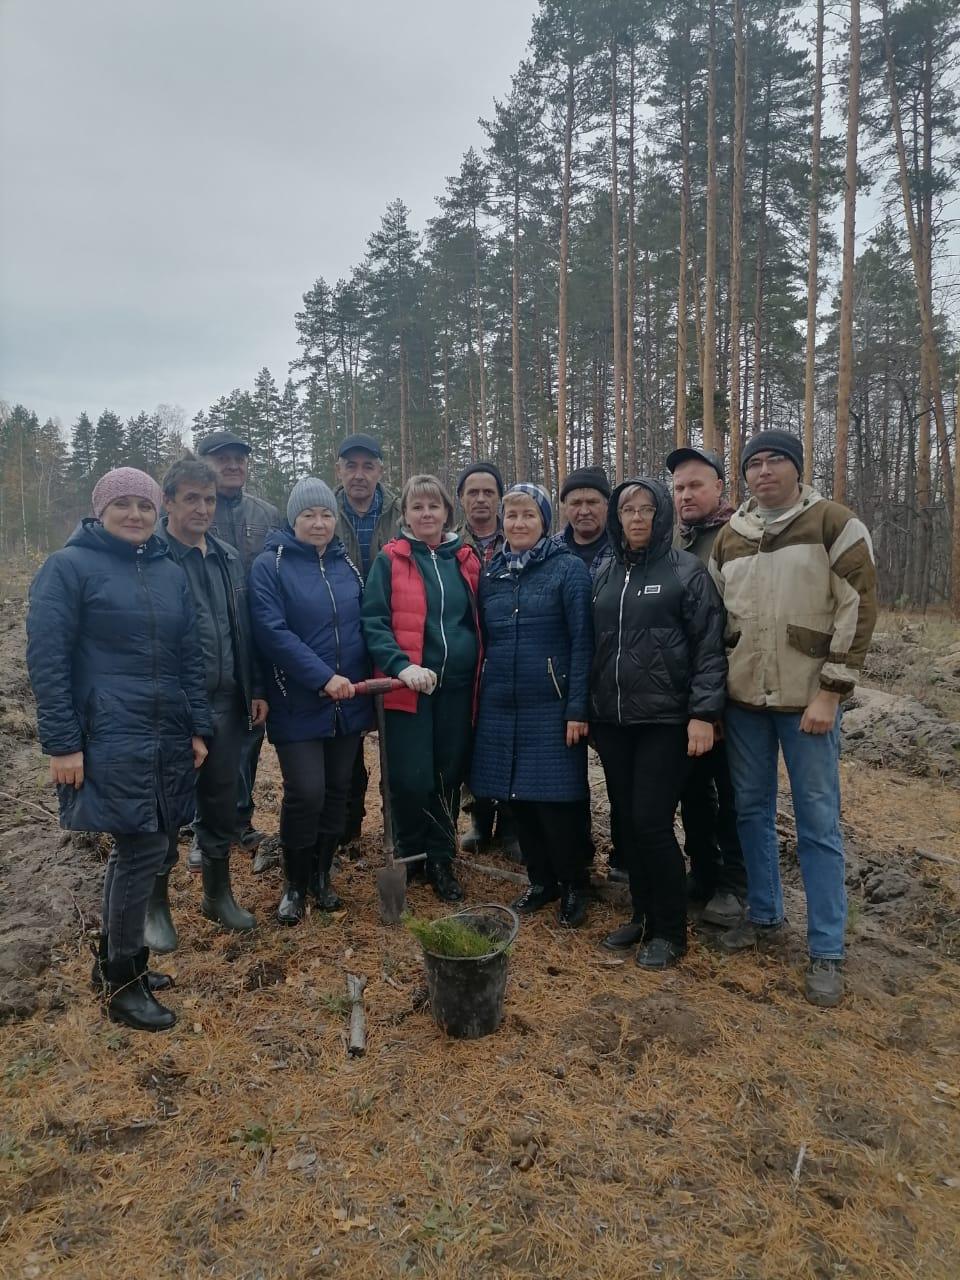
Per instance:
{"type": "Point", "coordinates": [130, 1001]}
{"type": "Point", "coordinates": [297, 865]}
{"type": "Point", "coordinates": [159, 931]}
{"type": "Point", "coordinates": [445, 884]}
{"type": "Point", "coordinates": [320, 887]}
{"type": "Point", "coordinates": [218, 902]}
{"type": "Point", "coordinates": [98, 974]}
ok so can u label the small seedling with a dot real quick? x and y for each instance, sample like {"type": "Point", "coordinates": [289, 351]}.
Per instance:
{"type": "Point", "coordinates": [453, 938]}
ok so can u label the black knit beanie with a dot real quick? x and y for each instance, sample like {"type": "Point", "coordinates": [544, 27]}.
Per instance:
{"type": "Point", "coordinates": [490, 468]}
{"type": "Point", "coordinates": [790, 446]}
{"type": "Point", "coordinates": [586, 478]}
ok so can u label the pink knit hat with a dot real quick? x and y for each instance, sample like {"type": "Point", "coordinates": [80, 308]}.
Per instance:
{"type": "Point", "coordinates": [125, 482]}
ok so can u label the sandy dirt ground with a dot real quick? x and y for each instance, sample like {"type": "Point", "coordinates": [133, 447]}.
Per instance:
{"type": "Point", "coordinates": [702, 1123]}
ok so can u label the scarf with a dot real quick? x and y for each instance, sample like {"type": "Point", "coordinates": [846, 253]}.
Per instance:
{"type": "Point", "coordinates": [719, 517]}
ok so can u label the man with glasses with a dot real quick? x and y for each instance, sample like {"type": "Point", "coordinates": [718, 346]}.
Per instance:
{"type": "Point", "coordinates": [718, 879]}
{"type": "Point", "coordinates": [797, 577]}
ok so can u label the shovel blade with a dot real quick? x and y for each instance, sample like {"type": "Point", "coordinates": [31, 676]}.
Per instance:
{"type": "Point", "coordinates": [392, 893]}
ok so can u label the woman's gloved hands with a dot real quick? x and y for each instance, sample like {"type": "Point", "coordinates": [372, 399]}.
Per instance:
{"type": "Point", "coordinates": [419, 679]}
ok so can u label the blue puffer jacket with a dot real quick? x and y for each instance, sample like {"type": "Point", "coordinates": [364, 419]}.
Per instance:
{"type": "Point", "coordinates": [305, 610]}
{"type": "Point", "coordinates": [539, 644]}
{"type": "Point", "coordinates": [116, 666]}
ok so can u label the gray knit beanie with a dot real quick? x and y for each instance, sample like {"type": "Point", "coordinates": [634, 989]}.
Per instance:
{"type": "Point", "coordinates": [309, 492]}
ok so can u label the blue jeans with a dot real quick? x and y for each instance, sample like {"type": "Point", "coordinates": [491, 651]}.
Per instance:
{"type": "Point", "coordinates": [754, 741]}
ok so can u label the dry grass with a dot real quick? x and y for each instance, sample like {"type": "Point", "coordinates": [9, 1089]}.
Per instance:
{"type": "Point", "coordinates": [702, 1123]}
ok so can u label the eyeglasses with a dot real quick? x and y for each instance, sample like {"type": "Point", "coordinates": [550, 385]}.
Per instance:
{"type": "Point", "coordinates": [645, 513]}
{"type": "Point", "coordinates": [772, 459]}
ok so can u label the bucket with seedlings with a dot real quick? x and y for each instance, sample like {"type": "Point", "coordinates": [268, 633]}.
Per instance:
{"type": "Point", "coordinates": [466, 957]}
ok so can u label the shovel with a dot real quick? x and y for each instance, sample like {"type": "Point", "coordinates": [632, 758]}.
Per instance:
{"type": "Point", "coordinates": [391, 879]}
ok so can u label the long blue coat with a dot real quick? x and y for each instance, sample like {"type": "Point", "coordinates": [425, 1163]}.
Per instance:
{"type": "Point", "coordinates": [305, 611]}
{"type": "Point", "coordinates": [115, 662]}
{"type": "Point", "coordinates": [538, 641]}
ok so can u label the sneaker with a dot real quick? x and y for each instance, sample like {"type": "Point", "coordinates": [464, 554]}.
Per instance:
{"type": "Point", "coordinates": [535, 897]}
{"type": "Point", "coordinates": [659, 953]}
{"type": "Point", "coordinates": [629, 935]}
{"type": "Point", "coordinates": [724, 910]}
{"type": "Point", "coordinates": [195, 858]}
{"type": "Point", "coordinates": [474, 840]}
{"type": "Point", "coordinates": [574, 901]}
{"type": "Point", "coordinates": [267, 856]}
{"type": "Point", "coordinates": [250, 838]}
{"type": "Point", "coordinates": [747, 934]}
{"type": "Point", "coordinates": [823, 983]}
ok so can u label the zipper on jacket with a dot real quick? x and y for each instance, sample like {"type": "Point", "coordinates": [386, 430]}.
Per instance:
{"type": "Point", "coordinates": [336, 618]}
{"type": "Point", "coordinates": [443, 634]}
{"type": "Point", "coordinates": [553, 676]}
{"type": "Point", "coordinates": [626, 583]}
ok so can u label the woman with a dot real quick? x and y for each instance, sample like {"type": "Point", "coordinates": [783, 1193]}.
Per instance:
{"type": "Point", "coordinates": [305, 606]}
{"type": "Point", "coordinates": [657, 687]}
{"type": "Point", "coordinates": [531, 744]}
{"type": "Point", "coordinates": [117, 670]}
{"type": "Point", "coordinates": [420, 625]}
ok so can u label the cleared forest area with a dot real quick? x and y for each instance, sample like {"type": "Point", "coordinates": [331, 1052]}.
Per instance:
{"type": "Point", "coordinates": [703, 1122]}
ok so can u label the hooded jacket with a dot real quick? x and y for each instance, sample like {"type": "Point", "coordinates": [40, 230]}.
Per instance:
{"type": "Point", "coordinates": [305, 610]}
{"type": "Point", "coordinates": [801, 599]}
{"type": "Point", "coordinates": [538, 642]}
{"type": "Point", "coordinates": [116, 666]}
{"type": "Point", "coordinates": [658, 628]}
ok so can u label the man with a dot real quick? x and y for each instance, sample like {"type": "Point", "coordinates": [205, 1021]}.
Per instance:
{"type": "Point", "coordinates": [479, 490]}
{"type": "Point", "coordinates": [369, 516]}
{"type": "Point", "coordinates": [242, 520]}
{"type": "Point", "coordinates": [217, 581]}
{"type": "Point", "coordinates": [369, 513]}
{"type": "Point", "coordinates": [798, 580]}
{"type": "Point", "coordinates": [583, 502]}
{"type": "Point", "coordinates": [718, 879]}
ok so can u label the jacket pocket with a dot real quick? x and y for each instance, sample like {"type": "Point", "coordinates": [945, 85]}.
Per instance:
{"type": "Point", "coordinates": [731, 641]}
{"type": "Point", "coordinates": [814, 644]}
{"type": "Point", "coordinates": [557, 678]}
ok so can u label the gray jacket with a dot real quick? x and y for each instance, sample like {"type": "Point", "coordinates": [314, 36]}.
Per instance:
{"type": "Point", "coordinates": [244, 523]}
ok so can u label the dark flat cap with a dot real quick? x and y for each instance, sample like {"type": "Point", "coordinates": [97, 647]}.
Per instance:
{"type": "Point", "coordinates": [360, 441]}
{"type": "Point", "coordinates": [690, 453]}
{"type": "Point", "coordinates": [221, 440]}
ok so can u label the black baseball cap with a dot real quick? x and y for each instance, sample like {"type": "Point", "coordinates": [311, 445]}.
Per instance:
{"type": "Point", "coordinates": [360, 441]}
{"type": "Point", "coordinates": [221, 440]}
{"type": "Point", "coordinates": [689, 453]}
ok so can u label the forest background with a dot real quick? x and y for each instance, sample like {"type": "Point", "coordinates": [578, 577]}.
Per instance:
{"type": "Point", "coordinates": [642, 253]}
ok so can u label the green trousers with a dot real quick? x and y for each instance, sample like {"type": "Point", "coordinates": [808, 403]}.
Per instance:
{"type": "Point", "coordinates": [429, 756]}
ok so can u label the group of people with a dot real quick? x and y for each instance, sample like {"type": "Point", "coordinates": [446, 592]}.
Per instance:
{"type": "Point", "coordinates": [688, 643]}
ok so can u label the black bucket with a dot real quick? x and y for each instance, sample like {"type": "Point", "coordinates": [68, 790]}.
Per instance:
{"type": "Point", "coordinates": [466, 992]}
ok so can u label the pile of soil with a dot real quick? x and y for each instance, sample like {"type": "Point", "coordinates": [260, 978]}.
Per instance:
{"type": "Point", "coordinates": [894, 731]}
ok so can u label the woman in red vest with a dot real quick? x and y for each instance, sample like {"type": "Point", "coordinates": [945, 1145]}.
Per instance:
{"type": "Point", "coordinates": [420, 625]}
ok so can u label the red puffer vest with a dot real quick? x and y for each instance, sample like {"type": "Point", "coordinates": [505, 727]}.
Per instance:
{"type": "Point", "coordinates": [408, 611]}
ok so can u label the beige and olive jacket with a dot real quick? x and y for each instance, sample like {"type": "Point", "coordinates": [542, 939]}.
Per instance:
{"type": "Point", "coordinates": [801, 601]}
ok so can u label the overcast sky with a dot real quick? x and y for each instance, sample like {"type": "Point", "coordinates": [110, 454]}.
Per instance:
{"type": "Point", "coordinates": [177, 172]}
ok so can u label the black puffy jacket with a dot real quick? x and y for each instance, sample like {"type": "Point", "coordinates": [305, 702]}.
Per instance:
{"type": "Point", "coordinates": [658, 629]}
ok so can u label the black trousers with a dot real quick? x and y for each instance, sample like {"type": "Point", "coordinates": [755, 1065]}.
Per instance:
{"type": "Point", "coordinates": [316, 783]}
{"type": "Point", "coordinates": [356, 800]}
{"type": "Point", "coordinates": [709, 812]}
{"type": "Point", "coordinates": [554, 840]}
{"type": "Point", "coordinates": [646, 767]}
{"type": "Point", "coordinates": [218, 782]}
{"type": "Point", "coordinates": [131, 870]}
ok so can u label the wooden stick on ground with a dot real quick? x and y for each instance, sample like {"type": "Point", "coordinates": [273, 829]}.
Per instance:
{"type": "Point", "coordinates": [357, 1045]}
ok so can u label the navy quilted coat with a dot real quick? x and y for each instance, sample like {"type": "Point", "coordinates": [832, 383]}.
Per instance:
{"type": "Point", "coordinates": [115, 662]}
{"type": "Point", "coordinates": [538, 642]}
{"type": "Point", "coordinates": [305, 610]}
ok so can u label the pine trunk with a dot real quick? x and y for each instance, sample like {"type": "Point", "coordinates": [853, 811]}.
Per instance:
{"type": "Point", "coordinates": [629, 412]}
{"type": "Point", "coordinates": [710, 266]}
{"type": "Point", "coordinates": [615, 271]}
{"type": "Point", "coordinates": [845, 369]}
{"type": "Point", "coordinates": [736, 241]}
{"type": "Point", "coordinates": [519, 444]}
{"type": "Point", "coordinates": [809, 383]}
{"type": "Point", "coordinates": [680, 417]}
{"type": "Point", "coordinates": [563, 281]}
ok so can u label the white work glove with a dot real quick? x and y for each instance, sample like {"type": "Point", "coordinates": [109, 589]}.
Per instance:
{"type": "Point", "coordinates": [419, 679]}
